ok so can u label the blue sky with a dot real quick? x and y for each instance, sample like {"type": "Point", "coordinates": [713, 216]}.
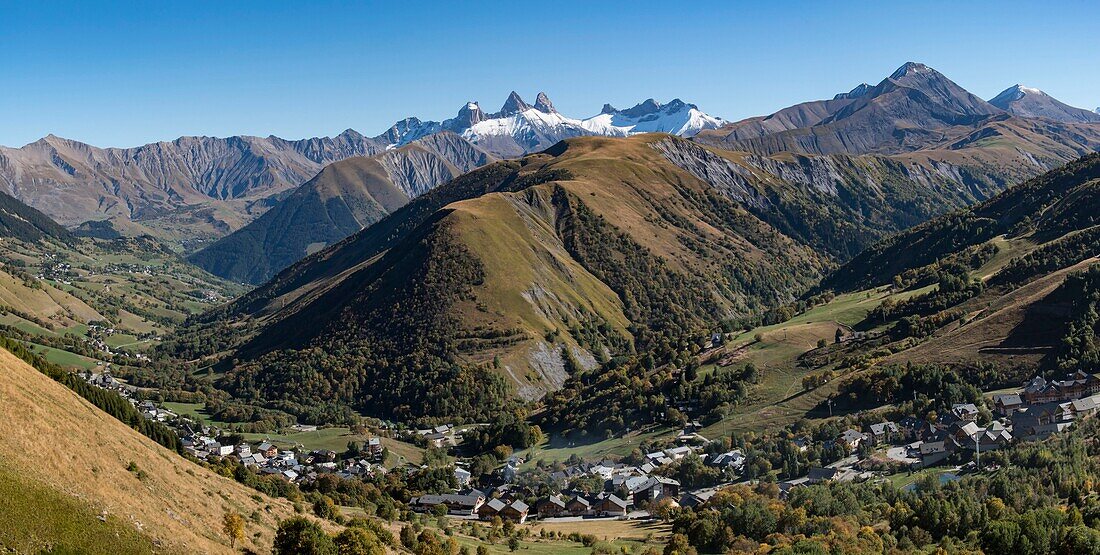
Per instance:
{"type": "Point", "coordinates": [123, 74]}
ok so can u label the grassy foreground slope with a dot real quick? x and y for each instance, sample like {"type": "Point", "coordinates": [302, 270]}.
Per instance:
{"type": "Point", "coordinates": [73, 463]}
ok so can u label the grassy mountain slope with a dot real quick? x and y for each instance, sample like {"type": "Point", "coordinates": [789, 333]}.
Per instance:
{"type": "Point", "coordinates": [1048, 206]}
{"type": "Point", "coordinates": [341, 199]}
{"type": "Point", "coordinates": [59, 444]}
{"type": "Point", "coordinates": [525, 270]}
{"type": "Point", "coordinates": [1024, 246]}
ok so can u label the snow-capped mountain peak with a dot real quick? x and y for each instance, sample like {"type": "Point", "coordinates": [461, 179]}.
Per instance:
{"type": "Point", "coordinates": [543, 104]}
{"type": "Point", "coordinates": [1013, 93]}
{"type": "Point", "coordinates": [1031, 102]}
{"type": "Point", "coordinates": [911, 68]}
{"type": "Point", "coordinates": [513, 105]}
{"type": "Point", "coordinates": [676, 117]}
{"type": "Point", "coordinates": [519, 128]}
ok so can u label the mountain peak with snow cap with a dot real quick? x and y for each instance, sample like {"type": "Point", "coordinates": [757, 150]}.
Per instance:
{"type": "Point", "coordinates": [911, 68]}
{"type": "Point", "coordinates": [1030, 102]}
{"type": "Point", "coordinates": [513, 105]}
{"type": "Point", "coordinates": [543, 104]}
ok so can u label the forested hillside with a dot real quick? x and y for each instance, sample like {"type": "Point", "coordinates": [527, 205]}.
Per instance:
{"type": "Point", "coordinates": [504, 281]}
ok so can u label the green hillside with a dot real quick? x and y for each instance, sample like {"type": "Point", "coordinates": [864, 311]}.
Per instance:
{"type": "Point", "coordinates": [508, 279]}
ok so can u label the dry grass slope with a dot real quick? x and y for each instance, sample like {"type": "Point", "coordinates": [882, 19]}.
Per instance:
{"type": "Point", "coordinates": [54, 440]}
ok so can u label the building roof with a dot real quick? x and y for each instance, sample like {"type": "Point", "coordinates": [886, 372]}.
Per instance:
{"type": "Point", "coordinates": [614, 500]}
{"type": "Point", "coordinates": [468, 500]}
{"type": "Point", "coordinates": [851, 435]}
{"type": "Point", "coordinates": [883, 427]}
{"type": "Point", "coordinates": [819, 473]}
{"type": "Point", "coordinates": [553, 500]}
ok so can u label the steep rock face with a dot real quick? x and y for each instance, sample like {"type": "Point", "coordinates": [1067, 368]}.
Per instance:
{"type": "Point", "coordinates": [839, 204]}
{"type": "Point", "coordinates": [1034, 103]}
{"type": "Point", "coordinates": [343, 198]}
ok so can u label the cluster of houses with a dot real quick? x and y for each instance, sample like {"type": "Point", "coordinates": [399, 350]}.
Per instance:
{"type": "Point", "coordinates": [204, 443]}
{"type": "Point", "coordinates": [476, 504]}
{"type": "Point", "coordinates": [1040, 409]}
{"type": "Point", "coordinates": [444, 435]}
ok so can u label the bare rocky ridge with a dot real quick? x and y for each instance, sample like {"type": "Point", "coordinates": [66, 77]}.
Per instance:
{"type": "Point", "coordinates": [74, 182]}
{"type": "Point", "coordinates": [342, 199]}
{"type": "Point", "coordinates": [916, 108]}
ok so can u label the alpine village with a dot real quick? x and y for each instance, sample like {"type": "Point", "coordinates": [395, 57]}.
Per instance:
{"type": "Point", "coordinates": [867, 324]}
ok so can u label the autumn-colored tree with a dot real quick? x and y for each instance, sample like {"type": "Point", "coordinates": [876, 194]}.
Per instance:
{"type": "Point", "coordinates": [233, 526]}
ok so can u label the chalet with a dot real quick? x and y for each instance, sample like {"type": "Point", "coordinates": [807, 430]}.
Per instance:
{"type": "Point", "coordinates": [508, 473]}
{"type": "Point", "coordinates": [321, 456]}
{"type": "Point", "coordinates": [818, 475]}
{"type": "Point", "coordinates": [243, 450]}
{"type": "Point", "coordinates": [222, 450]}
{"type": "Point", "coordinates": [550, 507]}
{"type": "Point", "coordinates": [374, 447]}
{"type": "Point", "coordinates": [883, 432]}
{"type": "Point", "coordinates": [696, 498]}
{"type": "Point", "coordinates": [462, 476]}
{"type": "Point", "coordinates": [967, 412]}
{"type": "Point", "coordinates": [439, 436]}
{"type": "Point", "coordinates": [610, 505]}
{"type": "Point", "coordinates": [457, 504]}
{"type": "Point", "coordinates": [802, 443]}
{"type": "Point", "coordinates": [269, 450]}
{"type": "Point", "coordinates": [731, 459]}
{"type": "Point", "coordinates": [1037, 422]}
{"type": "Point", "coordinates": [786, 486]}
{"type": "Point", "coordinates": [852, 438]}
{"type": "Point", "coordinates": [1007, 404]}
{"type": "Point", "coordinates": [490, 509]}
{"type": "Point", "coordinates": [579, 506]}
{"type": "Point", "coordinates": [932, 452]}
{"type": "Point", "coordinates": [677, 453]}
{"type": "Point", "coordinates": [1074, 386]}
{"type": "Point", "coordinates": [516, 511]}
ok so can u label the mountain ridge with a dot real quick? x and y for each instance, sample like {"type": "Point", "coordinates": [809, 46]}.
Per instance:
{"type": "Point", "coordinates": [341, 199]}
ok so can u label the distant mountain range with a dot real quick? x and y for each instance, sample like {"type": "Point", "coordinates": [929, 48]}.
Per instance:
{"type": "Point", "coordinates": [955, 128]}
{"type": "Point", "coordinates": [914, 109]}
{"type": "Point", "coordinates": [196, 189]}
